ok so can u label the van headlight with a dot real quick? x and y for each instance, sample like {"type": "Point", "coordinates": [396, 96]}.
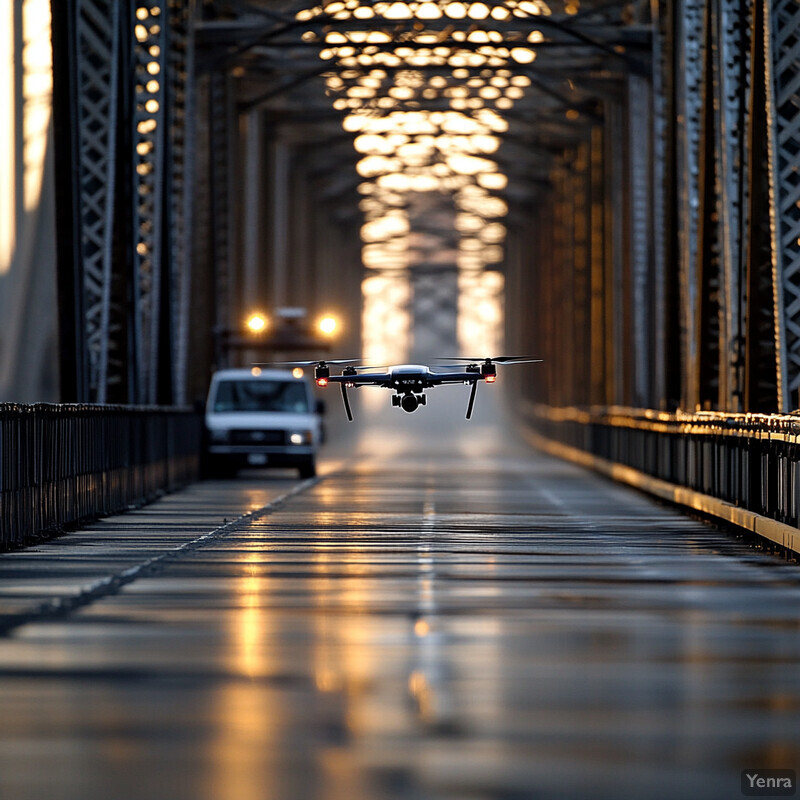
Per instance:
{"type": "Point", "coordinates": [300, 437]}
{"type": "Point", "coordinates": [219, 436]}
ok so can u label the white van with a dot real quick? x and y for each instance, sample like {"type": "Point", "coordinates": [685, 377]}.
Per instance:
{"type": "Point", "coordinates": [261, 418]}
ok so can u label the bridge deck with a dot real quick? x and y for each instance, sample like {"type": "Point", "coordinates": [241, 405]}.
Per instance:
{"type": "Point", "coordinates": [486, 623]}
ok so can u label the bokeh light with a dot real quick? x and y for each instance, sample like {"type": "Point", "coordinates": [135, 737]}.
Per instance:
{"type": "Point", "coordinates": [423, 87]}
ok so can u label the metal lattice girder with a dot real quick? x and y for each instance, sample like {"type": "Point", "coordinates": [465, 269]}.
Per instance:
{"type": "Point", "coordinates": [219, 123]}
{"type": "Point", "coordinates": [560, 272]}
{"type": "Point", "coordinates": [663, 182]}
{"type": "Point", "coordinates": [731, 86]}
{"type": "Point", "coordinates": [785, 65]}
{"type": "Point", "coordinates": [764, 351]}
{"type": "Point", "coordinates": [618, 309]}
{"type": "Point", "coordinates": [149, 135]}
{"type": "Point", "coordinates": [121, 113]}
{"type": "Point", "coordinates": [432, 259]}
{"type": "Point", "coordinates": [600, 328]}
{"type": "Point", "coordinates": [97, 62]}
{"type": "Point", "coordinates": [434, 309]}
{"type": "Point", "coordinates": [689, 102]}
{"type": "Point", "coordinates": [708, 268]}
{"type": "Point", "coordinates": [181, 109]}
{"type": "Point", "coordinates": [581, 294]}
{"type": "Point", "coordinates": [640, 219]}
{"type": "Point", "coordinates": [675, 192]}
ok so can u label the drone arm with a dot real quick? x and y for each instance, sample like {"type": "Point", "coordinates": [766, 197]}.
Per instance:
{"type": "Point", "coordinates": [346, 402]}
{"type": "Point", "coordinates": [369, 379]}
{"type": "Point", "coordinates": [472, 393]}
{"type": "Point", "coordinates": [442, 378]}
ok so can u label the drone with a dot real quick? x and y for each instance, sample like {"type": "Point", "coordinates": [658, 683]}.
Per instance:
{"type": "Point", "coordinates": [409, 381]}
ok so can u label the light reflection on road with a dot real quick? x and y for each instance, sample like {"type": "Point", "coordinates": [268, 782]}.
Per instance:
{"type": "Point", "coordinates": [441, 616]}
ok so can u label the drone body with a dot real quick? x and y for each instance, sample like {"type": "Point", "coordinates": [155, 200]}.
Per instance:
{"type": "Point", "coordinates": [409, 381]}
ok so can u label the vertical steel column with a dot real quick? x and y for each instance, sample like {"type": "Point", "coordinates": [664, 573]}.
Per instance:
{"type": "Point", "coordinates": [667, 314]}
{"type": "Point", "coordinates": [689, 42]}
{"type": "Point", "coordinates": [120, 82]}
{"type": "Point", "coordinates": [580, 191]}
{"type": "Point", "coordinates": [280, 222]}
{"type": "Point", "coordinates": [149, 122]}
{"type": "Point", "coordinates": [782, 45]}
{"type": "Point", "coordinates": [732, 66]}
{"type": "Point", "coordinates": [181, 129]}
{"type": "Point", "coordinates": [537, 260]}
{"type": "Point", "coordinates": [561, 274]}
{"type": "Point", "coordinates": [601, 344]}
{"type": "Point", "coordinates": [708, 267]}
{"type": "Point", "coordinates": [550, 280]}
{"type": "Point", "coordinates": [253, 211]}
{"type": "Point", "coordinates": [86, 106]}
{"type": "Point", "coordinates": [433, 273]}
{"type": "Point", "coordinates": [638, 169]}
{"type": "Point", "coordinates": [219, 116]}
{"type": "Point", "coordinates": [304, 285]}
{"type": "Point", "coordinates": [764, 352]}
{"type": "Point", "coordinates": [616, 261]}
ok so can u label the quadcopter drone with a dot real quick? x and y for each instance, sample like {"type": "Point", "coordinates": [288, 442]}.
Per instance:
{"type": "Point", "coordinates": [409, 381]}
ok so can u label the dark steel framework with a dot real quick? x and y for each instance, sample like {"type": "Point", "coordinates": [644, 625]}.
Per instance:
{"type": "Point", "coordinates": [693, 297]}
{"type": "Point", "coordinates": [653, 192]}
{"type": "Point", "coordinates": [122, 107]}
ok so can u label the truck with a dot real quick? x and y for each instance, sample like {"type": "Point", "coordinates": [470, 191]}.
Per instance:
{"type": "Point", "coordinates": [261, 418]}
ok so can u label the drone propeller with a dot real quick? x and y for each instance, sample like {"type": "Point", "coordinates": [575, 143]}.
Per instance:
{"type": "Point", "coordinates": [516, 360]}
{"type": "Point", "coordinates": [495, 360]}
{"type": "Point", "coordinates": [313, 363]}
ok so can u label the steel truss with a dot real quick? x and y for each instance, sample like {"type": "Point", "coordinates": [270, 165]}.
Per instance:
{"type": "Point", "coordinates": [123, 118]}
{"type": "Point", "coordinates": [86, 69]}
{"type": "Point", "coordinates": [782, 44]}
{"type": "Point", "coordinates": [701, 230]}
{"type": "Point", "coordinates": [731, 73]}
{"type": "Point", "coordinates": [669, 255]}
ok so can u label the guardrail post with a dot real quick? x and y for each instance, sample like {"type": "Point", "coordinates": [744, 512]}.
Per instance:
{"type": "Point", "coordinates": [61, 464]}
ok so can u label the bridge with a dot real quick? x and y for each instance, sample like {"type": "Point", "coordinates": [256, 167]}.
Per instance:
{"type": "Point", "coordinates": [590, 588]}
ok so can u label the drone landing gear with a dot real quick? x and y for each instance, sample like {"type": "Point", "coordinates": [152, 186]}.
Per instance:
{"type": "Point", "coordinates": [472, 394]}
{"type": "Point", "coordinates": [346, 402]}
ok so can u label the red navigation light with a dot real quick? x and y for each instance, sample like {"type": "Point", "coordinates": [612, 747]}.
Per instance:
{"type": "Point", "coordinates": [322, 381]}
{"type": "Point", "coordinates": [490, 378]}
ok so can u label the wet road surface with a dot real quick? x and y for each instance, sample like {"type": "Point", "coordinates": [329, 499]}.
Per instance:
{"type": "Point", "coordinates": [439, 615]}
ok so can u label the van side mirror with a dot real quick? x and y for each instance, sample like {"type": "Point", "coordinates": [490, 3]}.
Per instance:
{"type": "Point", "coordinates": [320, 408]}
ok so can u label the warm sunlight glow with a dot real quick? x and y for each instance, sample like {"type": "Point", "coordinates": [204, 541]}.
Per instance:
{"type": "Point", "coordinates": [37, 91]}
{"type": "Point", "coordinates": [386, 322]}
{"type": "Point", "coordinates": [30, 70]}
{"type": "Point", "coordinates": [256, 322]}
{"type": "Point", "coordinates": [328, 325]}
{"type": "Point", "coordinates": [7, 150]}
{"type": "Point", "coordinates": [480, 318]}
{"type": "Point", "coordinates": [428, 132]}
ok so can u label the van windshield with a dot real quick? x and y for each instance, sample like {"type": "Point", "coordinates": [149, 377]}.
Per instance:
{"type": "Point", "coordinates": [264, 395]}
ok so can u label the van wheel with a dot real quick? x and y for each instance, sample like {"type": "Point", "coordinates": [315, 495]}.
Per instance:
{"type": "Point", "coordinates": [218, 469]}
{"type": "Point", "coordinates": [308, 469]}
{"type": "Point", "coordinates": [210, 468]}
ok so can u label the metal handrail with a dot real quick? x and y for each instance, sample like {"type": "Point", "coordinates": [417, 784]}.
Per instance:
{"type": "Point", "coordinates": [751, 461]}
{"type": "Point", "coordinates": [63, 464]}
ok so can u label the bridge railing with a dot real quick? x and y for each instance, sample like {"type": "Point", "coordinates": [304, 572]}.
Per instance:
{"type": "Point", "coordinates": [747, 462]}
{"type": "Point", "coordinates": [61, 464]}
